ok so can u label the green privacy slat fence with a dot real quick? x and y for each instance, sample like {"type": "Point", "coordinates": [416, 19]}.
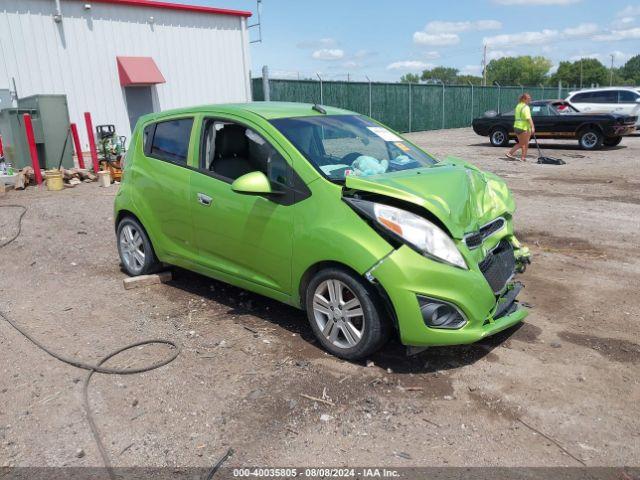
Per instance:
{"type": "Point", "coordinates": [404, 107]}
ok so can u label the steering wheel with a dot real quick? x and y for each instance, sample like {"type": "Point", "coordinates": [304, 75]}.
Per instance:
{"type": "Point", "coordinates": [349, 158]}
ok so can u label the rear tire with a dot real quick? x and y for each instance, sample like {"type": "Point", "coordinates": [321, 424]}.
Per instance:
{"type": "Point", "coordinates": [499, 137]}
{"type": "Point", "coordinates": [346, 314]}
{"type": "Point", "coordinates": [135, 249]}
{"type": "Point", "coordinates": [590, 139]}
{"type": "Point", "coordinates": [612, 141]}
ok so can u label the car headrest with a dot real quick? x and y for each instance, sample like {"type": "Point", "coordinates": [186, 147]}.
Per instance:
{"type": "Point", "coordinates": [231, 142]}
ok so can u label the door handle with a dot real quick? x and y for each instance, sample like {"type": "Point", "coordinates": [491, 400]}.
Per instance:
{"type": "Point", "coordinates": [204, 199]}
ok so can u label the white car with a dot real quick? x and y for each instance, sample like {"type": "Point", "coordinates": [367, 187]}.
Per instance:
{"type": "Point", "coordinates": [624, 100]}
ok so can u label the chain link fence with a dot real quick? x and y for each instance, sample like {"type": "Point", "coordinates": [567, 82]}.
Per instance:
{"type": "Point", "coordinates": [404, 107]}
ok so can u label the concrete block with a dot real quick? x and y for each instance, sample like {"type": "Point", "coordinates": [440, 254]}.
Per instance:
{"type": "Point", "coordinates": [145, 280]}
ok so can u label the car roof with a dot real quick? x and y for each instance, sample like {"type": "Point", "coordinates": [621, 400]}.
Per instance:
{"type": "Point", "coordinates": [547, 101]}
{"type": "Point", "coordinates": [603, 89]}
{"type": "Point", "coordinates": [267, 110]}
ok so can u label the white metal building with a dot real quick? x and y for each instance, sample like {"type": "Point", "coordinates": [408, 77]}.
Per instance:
{"type": "Point", "coordinates": [119, 59]}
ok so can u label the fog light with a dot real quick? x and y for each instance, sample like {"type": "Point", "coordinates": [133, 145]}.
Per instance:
{"type": "Point", "coordinates": [440, 314]}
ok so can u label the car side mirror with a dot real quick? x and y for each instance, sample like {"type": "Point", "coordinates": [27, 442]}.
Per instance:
{"type": "Point", "coordinates": [252, 183]}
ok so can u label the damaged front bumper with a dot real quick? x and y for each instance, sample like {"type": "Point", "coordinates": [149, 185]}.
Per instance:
{"type": "Point", "coordinates": [522, 255]}
{"type": "Point", "coordinates": [621, 130]}
{"type": "Point", "coordinates": [411, 281]}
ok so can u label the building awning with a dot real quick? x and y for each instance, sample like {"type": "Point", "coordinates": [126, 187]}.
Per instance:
{"type": "Point", "coordinates": [138, 71]}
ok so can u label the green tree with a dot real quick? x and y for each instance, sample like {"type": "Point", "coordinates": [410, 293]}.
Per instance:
{"type": "Point", "coordinates": [466, 79]}
{"type": "Point", "coordinates": [446, 75]}
{"type": "Point", "coordinates": [585, 72]}
{"type": "Point", "coordinates": [631, 70]}
{"type": "Point", "coordinates": [410, 78]}
{"type": "Point", "coordinates": [523, 70]}
{"type": "Point", "coordinates": [620, 78]}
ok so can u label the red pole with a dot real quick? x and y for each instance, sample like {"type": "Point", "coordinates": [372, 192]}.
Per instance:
{"type": "Point", "coordinates": [1, 147]}
{"type": "Point", "coordinates": [31, 140]}
{"type": "Point", "coordinates": [76, 143]}
{"type": "Point", "coordinates": [92, 142]}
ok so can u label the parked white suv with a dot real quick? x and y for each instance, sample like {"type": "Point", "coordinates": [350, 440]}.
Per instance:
{"type": "Point", "coordinates": [625, 100]}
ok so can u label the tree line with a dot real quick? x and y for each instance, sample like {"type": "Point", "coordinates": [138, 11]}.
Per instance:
{"type": "Point", "coordinates": [534, 71]}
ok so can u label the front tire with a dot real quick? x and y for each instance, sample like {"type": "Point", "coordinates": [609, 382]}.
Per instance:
{"type": "Point", "coordinates": [499, 137]}
{"type": "Point", "coordinates": [135, 249]}
{"type": "Point", "coordinates": [345, 314]}
{"type": "Point", "coordinates": [590, 139]}
{"type": "Point", "coordinates": [612, 141]}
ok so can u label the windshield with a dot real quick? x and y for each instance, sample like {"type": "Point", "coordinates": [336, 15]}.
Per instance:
{"type": "Point", "coordinates": [341, 145]}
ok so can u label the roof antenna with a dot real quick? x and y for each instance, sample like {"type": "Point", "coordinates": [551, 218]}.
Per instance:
{"type": "Point", "coordinates": [319, 109]}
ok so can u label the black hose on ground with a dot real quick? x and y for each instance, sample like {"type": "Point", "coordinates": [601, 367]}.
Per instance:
{"type": "Point", "coordinates": [98, 368]}
{"type": "Point", "coordinates": [24, 211]}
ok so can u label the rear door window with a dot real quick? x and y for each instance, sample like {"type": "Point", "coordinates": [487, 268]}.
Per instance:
{"type": "Point", "coordinates": [171, 140]}
{"type": "Point", "coordinates": [608, 96]}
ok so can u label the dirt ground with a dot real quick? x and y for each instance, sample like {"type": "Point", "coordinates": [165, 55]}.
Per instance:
{"type": "Point", "coordinates": [571, 371]}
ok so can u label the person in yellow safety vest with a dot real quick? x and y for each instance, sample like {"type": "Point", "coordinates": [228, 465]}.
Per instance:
{"type": "Point", "coordinates": [523, 126]}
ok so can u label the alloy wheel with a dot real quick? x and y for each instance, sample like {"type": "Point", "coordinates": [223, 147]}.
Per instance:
{"type": "Point", "coordinates": [589, 140]}
{"type": "Point", "coordinates": [498, 137]}
{"type": "Point", "coordinates": [132, 248]}
{"type": "Point", "coordinates": [338, 314]}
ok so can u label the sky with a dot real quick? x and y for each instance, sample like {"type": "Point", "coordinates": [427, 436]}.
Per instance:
{"type": "Point", "coordinates": [383, 39]}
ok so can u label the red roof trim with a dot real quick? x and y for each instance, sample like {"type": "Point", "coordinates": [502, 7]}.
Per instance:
{"type": "Point", "coordinates": [176, 6]}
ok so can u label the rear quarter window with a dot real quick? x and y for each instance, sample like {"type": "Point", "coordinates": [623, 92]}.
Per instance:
{"type": "Point", "coordinates": [170, 140]}
{"type": "Point", "coordinates": [626, 96]}
{"type": "Point", "coordinates": [147, 136]}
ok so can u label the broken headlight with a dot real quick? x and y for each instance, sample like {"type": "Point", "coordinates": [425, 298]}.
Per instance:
{"type": "Point", "coordinates": [414, 230]}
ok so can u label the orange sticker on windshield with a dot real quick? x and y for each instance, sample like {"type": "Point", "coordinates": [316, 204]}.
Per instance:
{"type": "Point", "coordinates": [402, 146]}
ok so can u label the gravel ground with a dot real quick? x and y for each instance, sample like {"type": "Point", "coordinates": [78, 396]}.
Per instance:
{"type": "Point", "coordinates": [571, 371]}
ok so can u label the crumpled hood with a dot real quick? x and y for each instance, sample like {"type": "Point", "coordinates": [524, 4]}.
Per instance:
{"type": "Point", "coordinates": [459, 194]}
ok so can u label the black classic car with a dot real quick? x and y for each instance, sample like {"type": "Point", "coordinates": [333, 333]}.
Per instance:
{"type": "Point", "coordinates": [559, 119]}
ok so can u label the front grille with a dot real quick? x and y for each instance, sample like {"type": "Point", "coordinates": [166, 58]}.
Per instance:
{"type": "Point", "coordinates": [499, 266]}
{"type": "Point", "coordinates": [491, 228]}
{"type": "Point", "coordinates": [475, 239]}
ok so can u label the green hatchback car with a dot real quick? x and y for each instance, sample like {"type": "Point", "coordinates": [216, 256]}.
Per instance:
{"type": "Point", "coordinates": [326, 210]}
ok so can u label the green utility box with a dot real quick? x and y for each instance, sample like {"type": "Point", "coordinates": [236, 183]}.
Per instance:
{"type": "Point", "coordinates": [50, 118]}
{"type": "Point", "coordinates": [14, 140]}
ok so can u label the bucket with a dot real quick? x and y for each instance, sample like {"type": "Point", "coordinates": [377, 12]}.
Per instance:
{"type": "Point", "coordinates": [54, 180]}
{"type": "Point", "coordinates": [104, 178]}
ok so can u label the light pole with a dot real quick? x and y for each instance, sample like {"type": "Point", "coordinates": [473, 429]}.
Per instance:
{"type": "Point", "coordinates": [499, 94]}
{"type": "Point", "coordinates": [611, 76]}
{"type": "Point", "coordinates": [321, 98]}
{"type": "Point", "coordinates": [369, 80]}
{"type": "Point", "coordinates": [410, 105]}
{"type": "Point", "coordinates": [471, 100]}
{"type": "Point", "coordinates": [442, 83]}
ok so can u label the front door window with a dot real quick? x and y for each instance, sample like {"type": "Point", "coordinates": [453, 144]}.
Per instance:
{"type": "Point", "coordinates": [231, 150]}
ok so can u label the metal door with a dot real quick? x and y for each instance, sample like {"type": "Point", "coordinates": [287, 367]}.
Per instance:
{"type": "Point", "coordinates": [139, 102]}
